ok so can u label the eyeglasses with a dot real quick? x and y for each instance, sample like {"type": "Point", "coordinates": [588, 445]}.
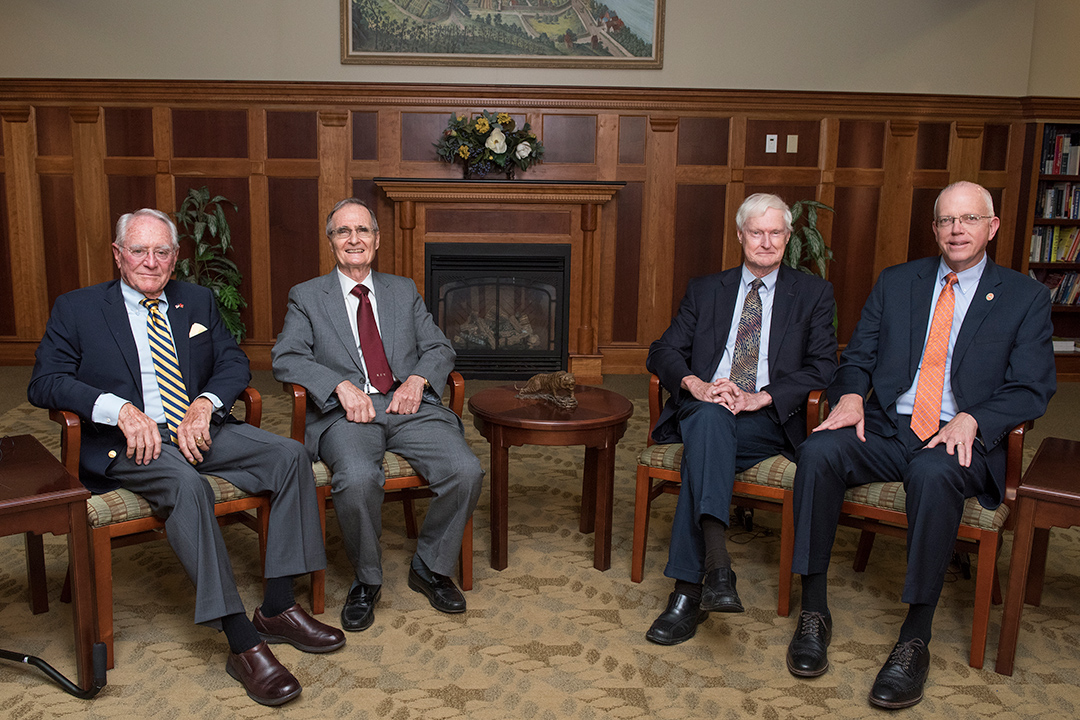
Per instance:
{"type": "Point", "coordinates": [344, 232]}
{"type": "Point", "coordinates": [139, 253]}
{"type": "Point", "coordinates": [948, 220]}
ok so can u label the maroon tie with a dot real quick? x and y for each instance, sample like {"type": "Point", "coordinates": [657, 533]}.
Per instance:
{"type": "Point", "coordinates": [371, 345]}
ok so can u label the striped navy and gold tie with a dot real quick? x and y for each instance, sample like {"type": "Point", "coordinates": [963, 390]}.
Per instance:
{"type": "Point", "coordinates": [170, 382]}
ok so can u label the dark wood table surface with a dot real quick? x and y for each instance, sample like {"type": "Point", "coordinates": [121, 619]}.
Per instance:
{"type": "Point", "coordinates": [598, 422]}
{"type": "Point", "coordinates": [1048, 496]}
{"type": "Point", "coordinates": [38, 495]}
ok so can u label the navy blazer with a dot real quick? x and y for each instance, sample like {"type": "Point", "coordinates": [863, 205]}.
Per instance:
{"type": "Point", "coordinates": [802, 345]}
{"type": "Point", "coordinates": [1003, 362]}
{"type": "Point", "coordinates": [88, 349]}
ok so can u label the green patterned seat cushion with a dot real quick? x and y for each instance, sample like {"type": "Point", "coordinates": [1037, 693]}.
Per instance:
{"type": "Point", "coordinates": [394, 466]}
{"type": "Point", "coordinates": [123, 505]}
{"type": "Point", "coordinates": [776, 471]}
{"type": "Point", "coordinates": [891, 496]}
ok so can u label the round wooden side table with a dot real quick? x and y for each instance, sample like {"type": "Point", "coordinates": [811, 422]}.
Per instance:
{"type": "Point", "coordinates": [598, 422]}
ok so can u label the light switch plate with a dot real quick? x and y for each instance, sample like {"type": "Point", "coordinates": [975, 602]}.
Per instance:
{"type": "Point", "coordinates": [793, 143]}
{"type": "Point", "coordinates": [770, 143]}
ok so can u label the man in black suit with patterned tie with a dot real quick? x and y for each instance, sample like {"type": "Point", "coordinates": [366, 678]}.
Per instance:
{"type": "Point", "coordinates": [739, 359]}
{"type": "Point", "coordinates": [148, 365]}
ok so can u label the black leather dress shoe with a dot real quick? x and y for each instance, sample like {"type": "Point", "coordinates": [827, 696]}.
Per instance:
{"type": "Point", "coordinates": [359, 611]}
{"type": "Point", "coordinates": [439, 589]}
{"type": "Point", "coordinates": [807, 653]}
{"type": "Point", "coordinates": [718, 593]}
{"type": "Point", "coordinates": [266, 681]}
{"type": "Point", "coordinates": [899, 684]}
{"type": "Point", "coordinates": [678, 622]}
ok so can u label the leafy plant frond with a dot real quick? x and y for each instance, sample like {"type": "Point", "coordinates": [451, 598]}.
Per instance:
{"type": "Point", "coordinates": [201, 220]}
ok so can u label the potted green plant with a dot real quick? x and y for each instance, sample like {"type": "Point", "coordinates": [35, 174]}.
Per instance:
{"type": "Point", "coordinates": [201, 219]}
{"type": "Point", "coordinates": [806, 248]}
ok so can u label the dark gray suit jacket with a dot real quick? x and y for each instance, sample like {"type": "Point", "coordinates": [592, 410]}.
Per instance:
{"type": "Point", "coordinates": [316, 348]}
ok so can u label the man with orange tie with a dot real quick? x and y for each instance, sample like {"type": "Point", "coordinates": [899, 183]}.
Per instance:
{"type": "Point", "coordinates": [950, 353]}
{"type": "Point", "coordinates": [374, 364]}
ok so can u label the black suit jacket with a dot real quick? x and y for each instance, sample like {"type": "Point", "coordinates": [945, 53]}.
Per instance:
{"type": "Point", "coordinates": [802, 345]}
{"type": "Point", "coordinates": [1003, 362]}
{"type": "Point", "coordinates": [88, 349]}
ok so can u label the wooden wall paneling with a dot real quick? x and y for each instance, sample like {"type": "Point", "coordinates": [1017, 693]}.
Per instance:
{"type": "Point", "coordinates": [828, 153]}
{"type": "Point", "coordinates": [736, 189]}
{"type": "Point", "coordinates": [894, 219]}
{"type": "Point", "coordinates": [997, 141]}
{"type": "Point", "coordinates": [932, 146]}
{"type": "Point", "coordinates": [921, 240]}
{"type": "Point", "coordinates": [27, 245]}
{"type": "Point", "coordinates": [632, 132]}
{"type": "Point", "coordinates": [365, 135]}
{"type": "Point", "coordinates": [292, 134]}
{"type": "Point", "coordinates": [91, 196]}
{"type": "Point", "coordinates": [129, 132]}
{"type": "Point", "coordinates": [627, 269]}
{"type": "Point", "coordinates": [52, 125]}
{"type": "Point", "coordinates": [569, 139]}
{"type": "Point", "coordinates": [658, 229]}
{"type": "Point", "coordinates": [703, 141]}
{"type": "Point", "coordinates": [295, 239]}
{"type": "Point", "coordinates": [808, 140]}
{"type": "Point", "coordinates": [7, 293]}
{"type": "Point", "coordinates": [1011, 176]}
{"type": "Point", "coordinates": [965, 151]}
{"type": "Point", "coordinates": [59, 231]}
{"type": "Point", "coordinates": [1028, 189]}
{"type": "Point", "coordinates": [333, 173]}
{"type": "Point", "coordinates": [210, 133]}
{"type": "Point", "coordinates": [389, 257]}
{"type": "Point", "coordinates": [261, 329]}
{"type": "Point", "coordinates": [852, 242]}
{"type": "Point", "coordinates": [164, 181]}
{"type": "Point", "coordinates": [128, 193]}
{"type": "Point", "coordinates": [861, 144]}
{"type": "Point", "coordinates": [699, 235]}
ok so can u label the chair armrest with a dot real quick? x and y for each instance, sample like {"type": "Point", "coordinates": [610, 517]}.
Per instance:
{"type": "Point", "coordinates": [70, 438]}
{"type": "Point", "coordinates": [456, 383]}
{"type": "Point", "coordinates": [1014, 459]}
{"type": "Point", "coordinates": [252, 400]}
{"type": "Point", "coordinates": [299, 410]}
{"type": "Point", "coordinates": [817, 409]}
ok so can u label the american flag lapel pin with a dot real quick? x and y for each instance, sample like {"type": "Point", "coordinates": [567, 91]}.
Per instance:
{"type": "Point", "coordinates": [989, 296]}
{"type": "Point", "coordinates": [179, 306]}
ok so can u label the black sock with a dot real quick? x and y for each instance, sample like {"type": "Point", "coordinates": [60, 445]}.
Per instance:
{"type": "Point", "coordinates": [278, 596]}
{"type": "Point", "coordinates": [815, 593]}
{"type": "Point", "coordinates": [917, 623]}
{"type": "Point", "coordinates": [239, 631]}
{"type": "Point", "coordinates": [690, 590]}
{"type": "Point", "coordinates": [715, 532]}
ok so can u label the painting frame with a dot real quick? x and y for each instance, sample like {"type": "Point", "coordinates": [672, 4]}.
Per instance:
{"type": "Point", "coordinates": [605, 29]}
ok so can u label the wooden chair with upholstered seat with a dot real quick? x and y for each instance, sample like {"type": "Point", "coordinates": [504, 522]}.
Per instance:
{"type": "Point", "coordinates": [121, 518]}
{"type": "Point", "coordinates": [403, 483]}
{"type": "Point", "coordinates": [881, 508]}
{"type": "Point", "coordinates": [767, 486]}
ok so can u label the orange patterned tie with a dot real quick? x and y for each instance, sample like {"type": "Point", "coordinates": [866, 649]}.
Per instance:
{"type": "Point", "coordinates": [926, 417]}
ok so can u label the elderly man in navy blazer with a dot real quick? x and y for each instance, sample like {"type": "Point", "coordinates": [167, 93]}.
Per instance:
{"type": "Point", "coordinates": [374, 364]}
{"type": "Point", "coordinates": [739, 359]}
{"type": "Point", "coordinates": [149, 366]}
{"type": "Point", "coordinates": [950, 353]}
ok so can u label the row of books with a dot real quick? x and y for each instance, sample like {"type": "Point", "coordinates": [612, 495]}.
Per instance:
{"type": "Point", "coordinates": [1064, 345]}
{"type": "Point", "coordinates": [1059, 201]}
{"type": "Point", "coordinates": [1055, 244]}
{"type": "Point", "coordinates": [1064, 286]}
{"type": "Point", "coordinates": [1061, 152]}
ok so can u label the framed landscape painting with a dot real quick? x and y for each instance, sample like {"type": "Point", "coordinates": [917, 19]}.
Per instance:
{"type": "Point", "coordinates": [524, 33]}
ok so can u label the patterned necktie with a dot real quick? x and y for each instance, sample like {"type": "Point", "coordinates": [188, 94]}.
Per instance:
{"type": "Point", "coordinates": [926, 417]}
{"type": "Point", "coordinates": [174, 396]}
{"type": "Point", "coordinates": [744, 362]}
{"type": "Point", "coordinates": [378, 368]}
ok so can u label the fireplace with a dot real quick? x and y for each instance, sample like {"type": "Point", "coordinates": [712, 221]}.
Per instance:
{"type": "Point", "coordinates": [503, 307]}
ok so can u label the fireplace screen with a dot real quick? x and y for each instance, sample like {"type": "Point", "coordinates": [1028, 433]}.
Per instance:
{"type": "Point", "coordinates": [503, 307]}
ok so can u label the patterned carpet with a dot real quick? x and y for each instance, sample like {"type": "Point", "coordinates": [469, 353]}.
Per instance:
{"type": "Point", "coordinates": [549, 637]}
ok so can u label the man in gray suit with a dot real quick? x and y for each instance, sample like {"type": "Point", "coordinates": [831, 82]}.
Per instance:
{"type": "Point", "coordinates": [374, 365]}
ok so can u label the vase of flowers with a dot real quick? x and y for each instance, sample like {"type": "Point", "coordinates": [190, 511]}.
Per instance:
{"type": "Point", "coordinates": [489, 143]}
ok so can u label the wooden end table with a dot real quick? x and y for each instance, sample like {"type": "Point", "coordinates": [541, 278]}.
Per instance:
{"type": "Point", "coordinates": [1048, 496]}
{"type": "Point", "coordinates": [38, 495]}
{"type": "Point", "coordinates": [598, 422]}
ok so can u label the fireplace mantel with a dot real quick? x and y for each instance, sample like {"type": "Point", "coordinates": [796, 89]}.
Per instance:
{"type": "Point", "coordinates": [520, 211]}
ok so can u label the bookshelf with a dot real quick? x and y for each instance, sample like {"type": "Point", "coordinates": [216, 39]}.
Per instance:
{"type": "Point", "coordinates": [1054, 252]}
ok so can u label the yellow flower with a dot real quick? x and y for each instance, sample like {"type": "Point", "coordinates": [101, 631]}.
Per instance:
{"type": "Point", "coordinates": [482, 125]}
{"type": "Point", "coordinates": [503, 118]}
{"type": "Point", "coordinates": [463, 151]}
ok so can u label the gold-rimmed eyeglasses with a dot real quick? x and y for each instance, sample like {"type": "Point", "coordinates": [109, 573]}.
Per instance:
{"type": "Point", "coordinates": [139, 253]}
{"type": "Point", "coordinates": [345, 232]}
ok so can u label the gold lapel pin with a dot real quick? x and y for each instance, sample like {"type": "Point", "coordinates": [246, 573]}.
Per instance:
{"type": "Point", "coordinates": [989, 296]}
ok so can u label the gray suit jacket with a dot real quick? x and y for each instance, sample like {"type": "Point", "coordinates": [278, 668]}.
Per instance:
{"type": "Point", "coordinates": [316, 348]}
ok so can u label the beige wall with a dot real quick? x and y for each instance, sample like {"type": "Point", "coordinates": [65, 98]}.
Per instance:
{"type": "Point", "coordinates": [980, 47]}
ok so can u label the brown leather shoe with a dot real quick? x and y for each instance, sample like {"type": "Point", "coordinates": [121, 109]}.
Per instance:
{"type": "Point", "coordinates": [266, 681]}
{"type": "Point", "coordinates": [296, 627]}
